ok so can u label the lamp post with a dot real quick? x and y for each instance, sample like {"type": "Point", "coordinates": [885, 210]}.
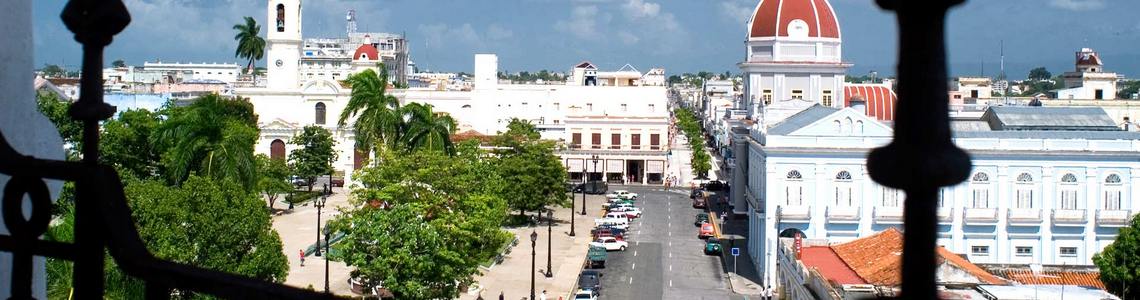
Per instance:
{"type": "Point", "coordinates": [585, 181]}
{"type": "Point", "coordinates": [549, 241]}
{"type": "Point", "coordinates": [319, 203]}
{"type": "Point", "coordinates": [326, 259]}
{"type": "Point", "coordinates": [594, 158]}
{"type": "Point", "coordinates": [533, 238]}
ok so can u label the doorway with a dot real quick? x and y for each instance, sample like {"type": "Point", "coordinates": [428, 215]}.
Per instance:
{"type": "Point", "coordinates": [635, 170]}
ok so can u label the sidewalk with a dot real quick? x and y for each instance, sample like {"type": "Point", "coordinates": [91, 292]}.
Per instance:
{"type": "Point", "coordinates": [512, 277]}
{"type": "Point", "coordinates": [298, 230]}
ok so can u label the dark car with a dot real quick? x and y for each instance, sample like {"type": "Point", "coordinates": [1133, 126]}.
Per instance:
{"type": "Point", "coordinates": [338, 182]}
{"type": "Point", "coordinates": [699, 202]}
{"type": "Point", "coordinates": [696, 193]}
{"type": "Point", "coordinates": [592, 187]}
{"type": "Point", "coordinates": [590, 280]}
{"type": "Point", "coordinates": [712, 246]}
{"type": "Point", "coordinates": [701, 219]}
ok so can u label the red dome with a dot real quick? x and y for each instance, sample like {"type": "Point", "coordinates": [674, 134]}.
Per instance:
{"type": "Point", "coordinates": [366, 52]}
{"type": "Point", "coordinates": [773, 17]}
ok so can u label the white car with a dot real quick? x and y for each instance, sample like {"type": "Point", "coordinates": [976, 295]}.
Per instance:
{"type": "Point", "coordinates": [622, 194]}
{"type": "Point", "coordinates": [610, 244]}
{"type": "Point", "coordinates": [619, 223]}
{"type": "Point", "coordinates": [632, 212]}
{"type": "Point", "coordinates": [585, 295]}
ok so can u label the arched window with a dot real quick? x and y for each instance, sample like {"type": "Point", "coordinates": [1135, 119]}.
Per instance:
{"type": "Point", "coordinates": [859, 126]}
{"type": "Point", "coordinates": [1112, 193]}
{"type": "Point", "coordinates": [838, 126]}
{"type": "Point", "coordinates": [793, 189]}
{"type": "Point", "coordinates": [1024, 191]}
{"type": "Point", "coordinates": [843, 189]}
{"type": "Point", "coordinates": [848, 125]}
{"type": "Point", "coordinates": [280, 17]}
{"type": "Point", "coordinates": [1068, 191]}
{"type": "Point", "coordinates": [277, 150]}
{"type": "Point", "coordinates": [319, 109]}
{"type": "Point", "coordinates": [980, 185]}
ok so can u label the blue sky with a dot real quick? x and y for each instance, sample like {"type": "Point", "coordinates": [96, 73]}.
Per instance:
{"type": "Point", "coordinates": [680, 35]}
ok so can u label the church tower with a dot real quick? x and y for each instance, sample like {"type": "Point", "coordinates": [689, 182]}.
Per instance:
{"type": "Point", "coordinates": [283, 44]}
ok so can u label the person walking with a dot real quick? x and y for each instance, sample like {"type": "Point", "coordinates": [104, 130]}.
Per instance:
{"type": "Point", "coordinates": [501, 296]}
{"type": "Point", "coordinates": [542, 296]}
{"type": "Point", "coordinates": [302, 251]}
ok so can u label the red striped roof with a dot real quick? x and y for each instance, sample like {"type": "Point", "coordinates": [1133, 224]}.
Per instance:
{"type": "Point", "coordinates": [880, 100]}
{"type": "Point", "coordinates": [824, 260]}
{"type": "Point", "coordinates": [771, 18]}
{"type": "Point", "coordinates": [1026, 276]}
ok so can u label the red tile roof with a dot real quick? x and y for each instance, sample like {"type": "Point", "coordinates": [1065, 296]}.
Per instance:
{"type": "Point", "coordinates": [771, 16]}
{"type": "Point", "coordinates": [878, 259]}
{"type": "Point", "coordinates": [372, 53]}
{"type": "Point", "coordinates": [879, 99]}
{"type": "Point", "coordinates": [1026, 276]}
{"type": "Point", "coordinates": [824, 259]}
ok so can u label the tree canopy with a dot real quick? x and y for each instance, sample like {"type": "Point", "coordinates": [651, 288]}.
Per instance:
{"type": "Point", "coordinates": [212, 136]}
{"type": "Point", "coordinates": [315, 154]}
{"type": "Point", "coordinates": [381, 123]}
{"type": "Point", "coordinates": [535, 174]}
{"type": "Point", "coordinates": [700, 161]}
{"type": "Point", "coordinates": [273, 178]}
{"type": "Point", "coordinates": [1119, 263]}
{"type": "Point", "coordinates": [250, 45]}
{"type": "Point", "coordinates": [1039, 73]}
{"type": "Point", "coordinates": [118, 63]}
{"type": "Point", "coordinates": [126, 143]}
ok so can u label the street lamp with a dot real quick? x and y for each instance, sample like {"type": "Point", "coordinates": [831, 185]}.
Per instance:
{"type": "Point", "coordinates": [326, 258]}
{"type": "Point", "coordinates": [595, 159]}
{"type": "Point", "coordinates": [319, 203]}
{"type": "Point", "coordinates": [549, 241]}
{"type": "Point", "coordinates": [533, 238]}
{"type": "Point", "coordinates": [585, 182]}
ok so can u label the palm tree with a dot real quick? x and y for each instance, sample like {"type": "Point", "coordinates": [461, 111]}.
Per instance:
{"type": "Point", "coordinates": [211, 137]}
{"type": "Point", "coordinates": [377, 123]}
{"type": "Point", "coordinates": [426, 129]}
{"type": "Point", "coordinates": [250, 44]}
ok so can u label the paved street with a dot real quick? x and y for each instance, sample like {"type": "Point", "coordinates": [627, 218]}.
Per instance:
{"type": "Point", "coordinates": [665, 259]}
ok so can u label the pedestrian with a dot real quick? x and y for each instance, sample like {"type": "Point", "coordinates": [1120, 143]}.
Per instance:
{"type": "Point", "coordinates": [501, 296]}
{"type": "Point", "coordinates": [542, 296]}
{"type": "Point", "coordinates": [769, 293]}
{"type": "Point", "coordinates": [302, 257]}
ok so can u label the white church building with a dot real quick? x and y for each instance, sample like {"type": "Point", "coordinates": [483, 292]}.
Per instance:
{"type": "Point", "coordinates": [1049, 185]}
{"type": "Point", "coordinates": [621, 117]}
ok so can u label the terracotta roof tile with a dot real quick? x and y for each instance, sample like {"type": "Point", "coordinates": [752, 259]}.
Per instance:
{"type": "Point", "coordinates": [880, 100]}
{"type": "Point", "coordinates": [1025, 276]}
{"type": "Point", "coordinates": [878, 259]}
{"type": "Point", "coordinates": [829, 265]}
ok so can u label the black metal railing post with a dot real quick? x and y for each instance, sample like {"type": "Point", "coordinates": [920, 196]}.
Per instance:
{"type": "Point", "coordinates": [922, 158]}
{"type": "Point", "coordinates": [95, 23]}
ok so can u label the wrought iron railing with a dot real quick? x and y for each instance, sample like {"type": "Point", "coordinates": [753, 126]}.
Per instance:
{"type": "Point", "coordinates": [921, 159]}
{"type": "Point", "coordinates": [103, 221]}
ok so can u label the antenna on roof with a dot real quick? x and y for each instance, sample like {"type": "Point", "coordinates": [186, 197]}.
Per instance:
{"type": "Point", "coordinates": [351, 18]}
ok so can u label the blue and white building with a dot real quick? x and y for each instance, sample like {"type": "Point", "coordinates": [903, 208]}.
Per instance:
{"type": "Point", "coordinates": [1049, 185]}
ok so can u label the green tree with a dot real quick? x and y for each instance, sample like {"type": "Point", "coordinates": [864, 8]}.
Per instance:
{"type": "Point", "coordinates": [212, 136]}
{"type": "Point", "coordinates": [674, 79]}
{"type": "Point", "coordinates": [250, 45]}
{"type": "Point", "coordinates": [1039, 73]}
{"type": "Point", "coordinates": [1128, 88]}
{"type": "Point", "coordinates": [273, 178]}
{"type": "Point", "coordinates": [536, 175]}
{"type": "Point", "coordinates": [377, 122]}
{"type": "Point", "coordinates": [70, 130]}
{"type": "Point", "coordinates": [314, 155]}
{"type": "Point", "coordinates": [50, 70]}
{"type": "Point", "coordinates": [119, 63]}
{"type": "Point", "coordinates": [424, 221]}
{"type": "Point", "coordinates": [1119, 263]}
{"type": "Point", "coordinates": [427, 129]}
{"type": "Point", "coordinates": [127, 144]}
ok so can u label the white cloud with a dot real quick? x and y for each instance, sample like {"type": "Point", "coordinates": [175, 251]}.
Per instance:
{"type": "Point", "coordinates": [628, 38]}
{"type": "Point", "coordinates": [643, 23]}
{"type": "Point", "coordinates": [638, 9]}
{"type": "Point", "coordinates": [583, 23]}
{"type": "Point", "coordinates": [496, 32]}
{"type": "Point", "coordinates": [1077, 5]}
{"type": "Point", "coordinates": [442, 36]}
{"type": "Point", "coordinates": [738, 11]}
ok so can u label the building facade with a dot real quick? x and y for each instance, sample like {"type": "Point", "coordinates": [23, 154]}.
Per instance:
{"type": "Point", "coordinates": [1048, 192]}
{"type": "Point", "coordinates": [1089, 80]}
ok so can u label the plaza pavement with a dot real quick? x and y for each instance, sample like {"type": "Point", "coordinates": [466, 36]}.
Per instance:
{"type": "Point", "coordinates": [298, 230]}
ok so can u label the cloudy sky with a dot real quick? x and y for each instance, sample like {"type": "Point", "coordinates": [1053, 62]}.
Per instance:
{"type": "Point", "coordinates": [680, 35]}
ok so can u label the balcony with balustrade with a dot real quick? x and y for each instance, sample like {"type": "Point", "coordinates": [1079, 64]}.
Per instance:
{"type": "Point", "coordinates": [888, 215]}
{"type": "Point", "coordinates": [945, 215]}
{"type": "Point", "coordinates": [1112, 218]}
{"type": "Point", "coordinates": [843, 214]}
{"type": "Point", "coordinates": [980, 216]}
{"type": "Point", "coordinates": [1070, 217]}
{"type": "Point", "coordinates": [1024, 216]}
{"type": "Point", "coordinates": [794, 214]}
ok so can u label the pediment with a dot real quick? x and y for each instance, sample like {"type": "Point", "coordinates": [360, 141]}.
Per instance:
{"type": "Point", "coordinates": [845, 122]}
{"type": "Point", "coordinates": [279, 124]}
{"type": "Point", "coordinates": [322, 87]}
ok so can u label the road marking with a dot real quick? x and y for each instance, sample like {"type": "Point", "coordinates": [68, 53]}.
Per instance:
{"type": "Point", "coordinates": [670, 255]}
{"type": "Point", "coordinates": [633, 266]}
{"type": "Point", "coordinates": [631, 280]}
{"type": "Point", "coordinates": [670, 244]}
{"type": "Point", "coordinates": [634, 253]}
{"type": "Point", "coordinates": [637, 243]}
{"type": "Point", "coordinates": [670, 217]}
{"type": "Point", "coordinates": [639, 232]}
{"type": "Point", "coordinates": [670, 267]}
{"type": "Point", "coordinates": [670, 233]}
{"type": "Point", "coordinates": [670, 282]}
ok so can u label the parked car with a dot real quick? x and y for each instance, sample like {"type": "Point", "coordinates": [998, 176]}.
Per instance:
{"type": "Point", "coordinates": [706, 231]}
{"type": "Point", "coordinates": [601, 234]}
{"type": "Point", "coordinates": [616, 214]}
{"type": "Point", "coordinates": [610, 244]}
{"type": "Point", "coordinates": [616, 231]}
{"type": "Point", "coordinates": [592, 187]}
{"type": "Point", "coordinates": [702, 218]}
{"type": "Point", "coordinates": [622, 194]}
{"type": "Point", "coordinates": [596, 257]}
{"type": "Point", "coordinates": [585, 295]}
{"type": "Point", "coordinates": [714, 186]}
{"type": "Point", "coordinates": [699, 202]}
{"type": "Point", "coordinates": [298, 181]}
{"type": "Point", "coordinates": [620, 223]}
{"type": "Point", "coordinates": [590, 280]}
{"type": "Point", "coordinates": [338, 181]}
{"type": "Point", "coordinates": [632, 212]}
{"type": "Point", "coordinates": [712, 246]}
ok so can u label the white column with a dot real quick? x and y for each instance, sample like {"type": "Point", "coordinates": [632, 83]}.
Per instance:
{"type": "Point", "coordinates": [1002, 249]}
{"type": "Point", "coordinates": [1048, 201]}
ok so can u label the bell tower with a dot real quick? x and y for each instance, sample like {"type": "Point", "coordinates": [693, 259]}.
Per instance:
{"type": "Point", "coordinates": [283, 43]}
